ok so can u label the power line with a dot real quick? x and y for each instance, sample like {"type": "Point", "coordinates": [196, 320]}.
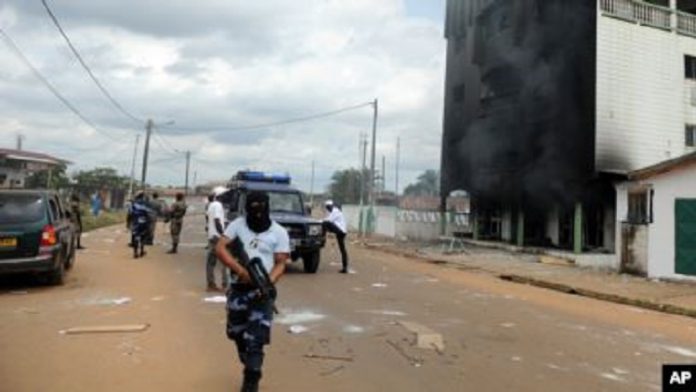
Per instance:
{"type": "Point", "coordinates": [204, 129]}
{"type": "Point", "coordinates": [48, 84]}
{"type": "Point", "coordinates": [86, 67]}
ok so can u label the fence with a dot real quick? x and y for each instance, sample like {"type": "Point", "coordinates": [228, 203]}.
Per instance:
{"type": "Point", "coordinates": [397, 223]}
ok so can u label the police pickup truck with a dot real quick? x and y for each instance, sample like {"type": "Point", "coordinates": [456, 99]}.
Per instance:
{"type": "Point", "coordinates": [287, 208]}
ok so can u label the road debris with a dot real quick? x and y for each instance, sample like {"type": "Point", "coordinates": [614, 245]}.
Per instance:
{"type": "Point", "coordinates": [353, 329]}
{"type": "Point", "coordinates": [332, 371]}
{"type": "Point", "coordinates": [329, 357]}
{"type": "Point", "coordinates": [306, 316]}
{"type": "Point", "coordinates": [297, 329]}
{"type": "Point", "coordinates": [127, 328]}
{"type": "Point", "coordinates": [416, 362]}
{"type": "Point", "coordinates": [425, 337]}
{"type": "Point", "coordinates": [379, 285]}
{"type": "Point", "coordinates": [216, 299]}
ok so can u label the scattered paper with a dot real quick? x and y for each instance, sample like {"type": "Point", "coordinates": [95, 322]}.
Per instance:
{"type": "Point", "coordinates": [217, 299]}
{"type": "Point", "coordinates": [306, 316]}
{"type": "Point", "coordinates": [297, 329]}
{"type": "Point", "coordinates": [157, 298]}
{"type": "Point", "coordinates": [379, 285]}
{"type": "Point", "coordinates": [121, 301]}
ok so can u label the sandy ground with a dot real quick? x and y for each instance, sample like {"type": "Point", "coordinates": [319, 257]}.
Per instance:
{"type": "Point", "coordinates": [498, 335]}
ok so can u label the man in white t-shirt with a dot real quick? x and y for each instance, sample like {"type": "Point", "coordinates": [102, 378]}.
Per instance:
{"type": "Point", "coordinates": [216, 226]}
{"type": "Point", "coordinates": [249, 315]}
{"type": "Point", "coordinates": [335, 223]}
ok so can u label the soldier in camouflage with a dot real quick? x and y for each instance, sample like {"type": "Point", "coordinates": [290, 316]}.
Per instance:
{"type": "Point", "coordinates": [176, 220]}
{"type": "Point", "coordinates": [76, 218]}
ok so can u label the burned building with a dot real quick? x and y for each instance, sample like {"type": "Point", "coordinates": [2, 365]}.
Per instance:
{"type": "Point", "coordinates": [549, 102]}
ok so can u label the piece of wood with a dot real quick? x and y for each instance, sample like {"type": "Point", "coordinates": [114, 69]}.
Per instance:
{"type": "Point", "coordinates": [106, 329]}
{"type": "Point", "coordinates": [329, 357]}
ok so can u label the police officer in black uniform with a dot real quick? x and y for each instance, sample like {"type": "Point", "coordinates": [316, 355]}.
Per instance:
{"type": "Point", "coordinates": [249, 315]}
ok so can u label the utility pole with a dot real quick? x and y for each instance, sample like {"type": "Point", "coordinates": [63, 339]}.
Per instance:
{"type": "Point", "coordinates": [311, 187]}
{"type": "Point", "coordinates": [363, 169]}
{"type": "Point", "coordinates": [375, 105]}
{"type": "Point", "coordinates": [383, 184]}
{"type": "Point", "coordinates": [20, 138]}
{"type": "Point", "coordinates": [132, 173]}
{"type": "Point", "coordinates": [363, 184]}
{"type": "Point", "coordinates": [188, 164]}
{"type": "Point", "coordinates": [195, 181]}
{"type": "Point", "coordinates": [398, 153]}
{"type": "Point", "coordinates": [148, 133]}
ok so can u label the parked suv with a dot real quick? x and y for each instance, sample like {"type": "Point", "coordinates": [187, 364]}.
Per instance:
{"type": "Point", "coordinates": [36, 234]}
{"type": "Point", "coordinates": [287, 208]}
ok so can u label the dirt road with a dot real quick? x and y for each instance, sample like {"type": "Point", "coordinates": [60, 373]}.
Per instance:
{"type": "Point", "coordinates": [497, 335]}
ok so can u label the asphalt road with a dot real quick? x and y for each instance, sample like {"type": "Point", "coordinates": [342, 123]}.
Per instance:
{"type": "Point", "coordinates": [498, 336]}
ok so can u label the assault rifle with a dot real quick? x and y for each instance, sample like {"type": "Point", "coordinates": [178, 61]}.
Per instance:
{"type": "Point", "coordinates": [257, 273]}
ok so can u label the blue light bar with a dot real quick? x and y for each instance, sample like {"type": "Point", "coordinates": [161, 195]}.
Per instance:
{"type": "Point", "coordinates": [263, 177]}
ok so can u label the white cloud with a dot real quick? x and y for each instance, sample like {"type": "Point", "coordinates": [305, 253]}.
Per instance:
{"type": "Point", "coordinates": [229, 63]}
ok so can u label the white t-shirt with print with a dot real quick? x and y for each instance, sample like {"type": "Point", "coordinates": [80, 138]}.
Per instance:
{"type": "Point", "coordinates": [263, 245]}
{"type": "Point", "coordinates": [215, 211]}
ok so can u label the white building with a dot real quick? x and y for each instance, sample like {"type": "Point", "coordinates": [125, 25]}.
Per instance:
{"type": "Point", "coordinates": [17, 165]}
{"type": "Point", "coordinates": [657, 211]}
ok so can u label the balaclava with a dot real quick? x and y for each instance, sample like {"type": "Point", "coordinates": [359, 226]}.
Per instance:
{"type": "Point", "coordinates": [258, 216]}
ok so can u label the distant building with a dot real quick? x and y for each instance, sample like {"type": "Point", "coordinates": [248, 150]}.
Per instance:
{"type": "Point", "coordinates": [549, 103]}
{"type": "Point", "coordinates": [17, 165]}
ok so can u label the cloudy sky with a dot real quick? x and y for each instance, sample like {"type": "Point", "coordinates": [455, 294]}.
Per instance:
{"type": "Point", "coordinates": [211, 67]}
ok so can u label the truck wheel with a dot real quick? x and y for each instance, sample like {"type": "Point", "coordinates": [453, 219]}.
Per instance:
{"type": "Point", "coordinates": [311, 262]}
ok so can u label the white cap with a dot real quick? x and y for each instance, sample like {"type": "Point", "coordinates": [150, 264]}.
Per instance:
{"type": "Point", "coordinates": [329, 203]}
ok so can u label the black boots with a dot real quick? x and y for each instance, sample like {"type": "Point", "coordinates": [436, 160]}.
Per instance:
{"type": "Point", "coordinates": [173, 249]}
{"type": "Point", "coordinates": [251, 381]}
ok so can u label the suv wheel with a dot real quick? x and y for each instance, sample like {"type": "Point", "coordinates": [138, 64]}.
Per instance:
{"type": "Point", "coordinates": [311, 262]}
{"type": "Point", "coordinates": [56, 277]}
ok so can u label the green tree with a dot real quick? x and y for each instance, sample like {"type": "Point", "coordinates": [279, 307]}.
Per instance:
{"type": "Point", "coordinates": [40, 179]}
{"type": "Point", "coordinates": [427, 184]}
{"type": "Point", "coordinates": [99, 178]}
{"type": "Point", "coordinates": [345, 186]}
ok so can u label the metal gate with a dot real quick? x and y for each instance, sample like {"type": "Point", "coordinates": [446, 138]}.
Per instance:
{"type": "Point", "coordinates": [685, 230]}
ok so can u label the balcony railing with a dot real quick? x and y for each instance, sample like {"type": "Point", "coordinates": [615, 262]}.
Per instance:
{"type": "Point", "coordinates": [686, 23]}
{"type": "Point", "coordinates": [643, 13]}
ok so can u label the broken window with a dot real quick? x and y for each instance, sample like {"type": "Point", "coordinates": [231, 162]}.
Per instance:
{"type": "Point", "coordinates": [689, 67]}
{"type": "Point", "coordinates": [640, 207]}
{"type": "Point", "coordinates": [690, 135]}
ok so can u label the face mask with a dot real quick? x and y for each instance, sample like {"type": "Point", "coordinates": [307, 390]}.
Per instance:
{"type": "Point", "coordinates": [257, 212]}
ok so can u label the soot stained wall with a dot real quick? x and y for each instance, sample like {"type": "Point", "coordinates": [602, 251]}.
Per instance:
{"type": "Point", "coordinates": [519, 120]}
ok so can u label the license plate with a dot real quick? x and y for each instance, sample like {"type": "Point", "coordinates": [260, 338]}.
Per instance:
{"type": "Point", "coordinates": [293, 244]}
{"type": "Point", "coordinates": [8, 243]}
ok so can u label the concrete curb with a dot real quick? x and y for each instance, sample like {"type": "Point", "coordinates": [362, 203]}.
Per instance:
{"type": "Point", "coordinates": [568, 289]}
{"type": "Point", "coordinates": [619, 299]}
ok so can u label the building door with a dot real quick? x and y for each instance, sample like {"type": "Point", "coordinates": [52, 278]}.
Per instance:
{"type": "Point", "coordinates": [685, 230]}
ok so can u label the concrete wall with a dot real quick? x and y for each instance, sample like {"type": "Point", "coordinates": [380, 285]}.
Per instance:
{"type": "Point", "coordinates": [417, 225]}
{"type": "Point", "coordinates": [643, 98]}
{"type": "Point", "coordinates": [634, 251]}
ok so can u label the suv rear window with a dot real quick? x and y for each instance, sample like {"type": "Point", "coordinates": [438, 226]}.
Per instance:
{"type": "Point", "coordinates": [16, 208]}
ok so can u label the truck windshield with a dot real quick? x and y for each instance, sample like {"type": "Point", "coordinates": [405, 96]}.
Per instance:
{"type": "Point", "coordinates": [286, 202]}
{"type": "Point", "coordinates": [18, 208]}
